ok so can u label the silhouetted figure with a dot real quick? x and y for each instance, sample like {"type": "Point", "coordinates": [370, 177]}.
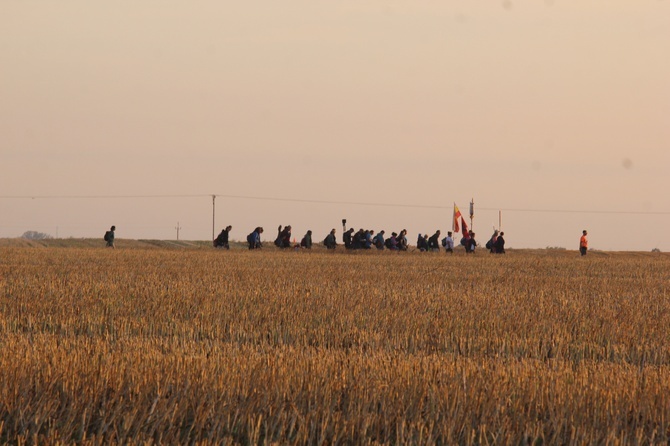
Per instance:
{"type": "Point", "coordinates": [346, 238]}
{"type": "Point", "coordinates": [422, 243]}
{"type": "Point", "coordinates": [434, 241]}
{"type": "Point", "coordinates": [500, 244]}
{"type": "Point", "coordinates": [359, 238]}
{"type": "Point", "coordinates": [491, 244]}
{"type": "Point", "coordinates": [471, 243]}
{"type": "Point", "coordinates": [109, 237]}
{"type": "Point", "coordinates": [283, 239]}
{"type": "Point", "coordinates": [306, 241]}
{"type": "Point", "coordinates": [221, 241]}
{"type": "Point", "coordinates": [330, 241]}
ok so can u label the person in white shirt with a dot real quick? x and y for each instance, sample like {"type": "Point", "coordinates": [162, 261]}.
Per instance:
{"type": "Point", "coordinates": [448, 243]}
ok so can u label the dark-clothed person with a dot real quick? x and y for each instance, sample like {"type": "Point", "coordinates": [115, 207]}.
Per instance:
{"type": "Point", "coordinates": [221, 241]}
{"type": "Point", "coordinates": [500, 244]}
{"type": "Point", "coordinates": [330, 241]}
{"type": "Point", "coordinates": [306, 241]}
{"type": "Point", "coordinates": [434, 241]}
{"type": "Point", "coordinates": [109, 237]}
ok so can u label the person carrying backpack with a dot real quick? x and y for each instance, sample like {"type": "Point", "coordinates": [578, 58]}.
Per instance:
{"type": "Point", "coordinates": [221, 240]}
{"type": "Point", "coordinates": [433, 241]}
{"type": "Point", "coordinates": [491, 244]}
{"type": "Point", "coordinates": [379, 241]}
{"type": "Point", "coordinates": [346, 238]}
{"type": "Point", "coordinates": [306, 241]}
{"type": "Point", "coordinates": [448, 243]}
{"type": "Point", "coordinates": [254, 239]}
{"type": "Point", "coordinates": [471, 244]}
{"type": "Point", "coordinates": [330, 241]}
{"type": "Point", "coordinates": [392, 242]}
{"type": "Point", "coordinates": [401, 240]}
{"type": "Point", "coordinates": [109, 237]}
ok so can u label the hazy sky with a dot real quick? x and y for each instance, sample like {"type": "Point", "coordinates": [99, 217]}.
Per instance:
{"type": "Point", "coordinates": [521, 105]}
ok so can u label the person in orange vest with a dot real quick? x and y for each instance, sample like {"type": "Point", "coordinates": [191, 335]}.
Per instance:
{"type": "Point", "coordinates": [583, 243]}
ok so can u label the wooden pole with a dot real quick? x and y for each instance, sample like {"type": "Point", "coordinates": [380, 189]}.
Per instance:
{"type": "Point", "coordinates": [213, 216]}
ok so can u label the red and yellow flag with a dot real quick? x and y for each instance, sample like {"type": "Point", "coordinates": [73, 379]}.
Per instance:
{"type": "Point", "coordinates": [466, 233]}
{"type": "Point", "coordinates": [457, 215]}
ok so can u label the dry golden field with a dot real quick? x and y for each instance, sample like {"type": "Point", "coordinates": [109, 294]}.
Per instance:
{"type": "Point", "coordinates": [207, 346]}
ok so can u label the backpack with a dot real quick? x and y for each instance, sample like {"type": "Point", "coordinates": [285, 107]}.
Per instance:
{"type": "Point", "coordinates": [489, 244]}
{"type": "Point", "coordinates": [444, 242]}
{"type": "Point", "coordinates": [387, 243]}
{"type": "Point", "coordinates": [106, 237]}
{"type": "Point", "coordinates": [250, 238]}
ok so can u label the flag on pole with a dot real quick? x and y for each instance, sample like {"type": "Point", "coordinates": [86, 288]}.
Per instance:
{"type": "Point", "coordinates": [457, 215]}
{"type": "Point", "coordinates": [466, 233]}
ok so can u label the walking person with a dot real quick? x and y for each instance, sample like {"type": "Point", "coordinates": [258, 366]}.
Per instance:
{"type": "Point", "coordinates": [379, 240]}
{"type": "Point", "coordinates": [583, 243]}
{"type": "Point", "coordinates": [491, 244]}
{"type": "Point", "coordinates": [283, 239]}
{"type": "Point", "coordinates": [367, 241]}
{"type": "Point", "coordinates": [500, 244]}
{"type": "Point", "coordinates": [346, 238]}
{"type": "Point", "coordinates": [306, 241]}
{"type": "Point", "coordinates": [392, 242]}
{"type": "Point", "coordinates": [109, 237]}
{"type": "Point", "coordinates": [470, 244]}
{"type": "Point", "coordinates": [421, 243]}
{"type": "Point", "coordinates": [221, 241]}
{"type": "Point", "coordinates": [448, 243]}
{"type": "Point", "coordinates": [433, 241]}
{"type": "Point", "coordinates": [401, 240]}
{"type": "Point", "coordinates": [330, 241]}
{"type": "Point", "coordinates": [254, 239]}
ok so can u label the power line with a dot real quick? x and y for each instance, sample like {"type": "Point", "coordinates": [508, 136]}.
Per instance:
{"type": "Point", "coordinates": [334, 202]}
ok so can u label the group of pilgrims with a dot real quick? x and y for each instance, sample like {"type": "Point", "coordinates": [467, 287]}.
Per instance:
{"type": "Point", "coordinates": [367, 239]}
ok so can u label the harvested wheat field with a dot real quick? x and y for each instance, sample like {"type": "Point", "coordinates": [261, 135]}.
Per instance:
{"type": "Point", "coordinates": [204, 346]}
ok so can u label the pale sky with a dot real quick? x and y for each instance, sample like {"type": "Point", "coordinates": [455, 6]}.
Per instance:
{"type": "Point", "coordinates": [521, 105]}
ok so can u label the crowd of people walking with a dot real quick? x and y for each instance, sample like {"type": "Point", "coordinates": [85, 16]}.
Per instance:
{"type": "Point", "coordinates": [368, 239]}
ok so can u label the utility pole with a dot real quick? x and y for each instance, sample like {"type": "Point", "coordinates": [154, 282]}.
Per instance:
{"type": "Point", "coordinates": [213, 216]}
{"type": "Point", "coordinates": [177, 228]}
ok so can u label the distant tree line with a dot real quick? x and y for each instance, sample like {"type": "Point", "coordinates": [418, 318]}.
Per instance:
{"type": "Point", "coordinates": [35, 235]}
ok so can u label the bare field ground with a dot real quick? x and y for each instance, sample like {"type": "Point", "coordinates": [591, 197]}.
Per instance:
{"type": "Point", "coordinates": [161, 345]}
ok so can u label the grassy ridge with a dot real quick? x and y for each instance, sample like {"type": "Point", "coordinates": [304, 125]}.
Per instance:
{"type": "Point", "coordinates": [165, 345]}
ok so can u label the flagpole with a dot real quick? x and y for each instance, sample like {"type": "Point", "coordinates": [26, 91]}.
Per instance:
{"type": "Point", "coordinates": [472, 214]}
